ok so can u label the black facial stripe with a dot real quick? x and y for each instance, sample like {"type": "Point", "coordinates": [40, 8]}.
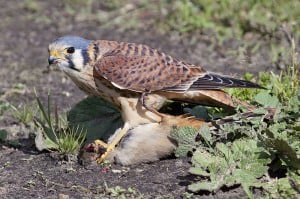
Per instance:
{"type": "Point", "coordinates": [71, 64]}
{"type": "Point", "coordinates": [96, 51]}
{"type": "Point", "coordinates": [86, 57]}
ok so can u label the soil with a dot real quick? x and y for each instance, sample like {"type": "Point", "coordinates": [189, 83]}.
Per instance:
{"type": "Point", "coordinates": [26, 29]}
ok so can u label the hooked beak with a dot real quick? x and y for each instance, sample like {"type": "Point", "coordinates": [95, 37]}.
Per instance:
{"type": "Point", "coordinates": [52, 60]}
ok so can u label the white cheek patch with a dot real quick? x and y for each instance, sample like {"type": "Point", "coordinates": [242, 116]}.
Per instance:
{"type": "Point", "coordinates": [77, 59]}
{"type": "Point", "coordinates": [63, 64]}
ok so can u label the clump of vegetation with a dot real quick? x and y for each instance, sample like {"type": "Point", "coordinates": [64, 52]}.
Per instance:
{"type": "Point", "coordinates": [228, 18]}
{"type": "Point", "coordinates": [4, 104]}
{"type": "Point", "coordinates": [3, 107]}
{"type": "Point", "coordinates": [3, 135]}
{"type": "Point", "coordinates": [54, 132]}
{"type": "Point", "coordinates": [24, 114]}
{"type": "Point", "coordinates": [120, 192]}
{"type": "Point", "coordinates": [253, 151]}
{"type": "Point", "coordinates": [233, 18]}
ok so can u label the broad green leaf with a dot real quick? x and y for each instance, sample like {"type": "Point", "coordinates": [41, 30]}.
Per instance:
{"type": "Point", "coordinates": [287, 187]}
{"type": "Point", "coordinates": [207, 186]}
{"type": "Point", "coordinates": [247, 190]}
{"type": "Point", "coordinates": [3, 107]}
{"type": "Point", "coordinates": [224, 150]}
{"type": "Point", "coordinates": [206, 134]}
{"type": "Point", "coordinates": [241, 162]}
{"type": "Point", "coordinates": [202, 159]}
{"type": "Point", "coordinates": [260, 111]}
{"type": "Point", "coordinates": [97, 117]}
{"type": "Point", "coordinates": [198, 171]}
{"type": "Point", "coordinates": [47, 133]}
{"type": "Point", "coordinates": [265, 99]}
{"type": "Point", "coordinates": [186, 139]}
{"type": "Point", "coordinates": [199, 112]}
{"type": "Point", "coordinates": [294, 104]}
{"type": "Point", "coordinates": [185, 135]}
{"type": "Point", "coordinates": [276, 128]}
{"type": "Point", "coordinates": [43, 142]}
{"type": "Point", "coordinates": [243, 176]}
{"type": "Point", "coordinates": [183, 150]}
{"type": "Point", "coordinates": [286, 153]}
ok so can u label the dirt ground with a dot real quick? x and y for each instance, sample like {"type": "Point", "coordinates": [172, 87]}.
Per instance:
{"type": "Point", "coordinates": [26, 31]}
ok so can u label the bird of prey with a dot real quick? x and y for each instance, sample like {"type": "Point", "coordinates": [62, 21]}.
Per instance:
{"type": "Point", "coordinates": [138, 79]}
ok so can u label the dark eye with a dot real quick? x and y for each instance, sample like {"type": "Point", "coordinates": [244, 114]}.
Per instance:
{"type": "Point", "coordinates": [70, 50]}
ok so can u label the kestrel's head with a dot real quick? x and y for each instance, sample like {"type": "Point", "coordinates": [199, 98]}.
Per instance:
{"type": "Point", "coordinates": [69, 52]}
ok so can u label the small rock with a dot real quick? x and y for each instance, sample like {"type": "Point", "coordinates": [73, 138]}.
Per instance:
{"type": "Point", "coordinates": [3, 190]}
{"type": "Point", "coordinates": [63, 196]}
{"type": "Point", "coordinates": [116, 171]}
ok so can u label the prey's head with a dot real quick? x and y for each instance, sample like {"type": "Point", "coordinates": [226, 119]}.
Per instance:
{"type": "Point", "coordinates": [69, 52]}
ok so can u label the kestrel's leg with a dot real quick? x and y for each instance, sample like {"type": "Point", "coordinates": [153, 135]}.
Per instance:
{"type": "Point", "coordinates": [132, 117]}
{"type": "Point", "coordinates": [111, 146]}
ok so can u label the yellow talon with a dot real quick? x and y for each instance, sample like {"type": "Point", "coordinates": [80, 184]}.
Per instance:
{"type": "Point", "coordinates": [104, 155]}
{"type": "Point", "coordinates": [101, 143]}
{"type": "Point", "coordinates": [111, 146]}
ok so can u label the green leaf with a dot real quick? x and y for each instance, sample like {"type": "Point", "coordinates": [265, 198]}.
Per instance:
{"type": "Point", "coordinates": [285, 152]}
{"type": "Point", "coordinates": [243, 176]}
{"type": "Point", "coordinates": [207, 186]}
{"type": "Point", "coordinates": [260, 111]}
{"type": "Point", "coordinates": [265, 99]}
{"type": "Point", "coordinates": [198, 171]}
{"type": "Point", "coordinates": [241, 162]}
{"type": "Point", "coordinates": [183, 150]}
{"type": "Point", "coordinates": [42, 109]}
{"type": "Point", "coordinates": [226, 152]}
{"type": "Point", "coordinates": [99, 118]}
{"type": "Point", "coordinates": [247, 190]}
{"type": "Point", "coordinates": [3, 135]}
{"type": "Point", "coordinates": [186, 139]}
{"type": "Point", "coordinates": [287, 187]}
{"type": "Point", "coordinates": [185, 135]}
{"type": "Point", "coordinates": [199, 112]}
{"type": "Point", "coordinates": [206, 134]}
{"type": "Point", "coordinates": [45, 138]}
{"type": "Point", "coordinates": [202, 159]}
{"type": "Point", "coordinates": [294, 104]}
{"type": "Point", "coordinates": [3, 107]}
{"type": "Point", "coordinates": [43, 142]}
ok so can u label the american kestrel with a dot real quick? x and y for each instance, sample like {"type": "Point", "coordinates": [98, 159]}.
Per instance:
{"type": "Point", "coordinates": [139, 79]}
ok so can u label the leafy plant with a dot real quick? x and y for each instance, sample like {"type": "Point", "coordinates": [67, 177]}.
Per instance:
{"type": "Point", "coordinates": [54, 134]}
{"type": "Point", "coordinates": [117, 192]}
{"type": "Point", "coordinates": [186, 139]}
{"type": "Point", "coordinates": [287, 187]}
{"type": "Point", "coordinates": [239, 162]}
{"type": "Point", "coordinates": [90, 119]}
{"type": "Point", "coordinates": [24, 114]}
{"type": "Point", "coordinates": [246, 148]}
{"type": "Point", "coordinates": [70, 140]}
{"type": "Point", "coordinates": [120, 192]}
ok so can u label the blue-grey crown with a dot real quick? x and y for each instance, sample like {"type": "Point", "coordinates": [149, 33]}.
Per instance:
{"type": "Point", "coordinates": [74, 41]}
